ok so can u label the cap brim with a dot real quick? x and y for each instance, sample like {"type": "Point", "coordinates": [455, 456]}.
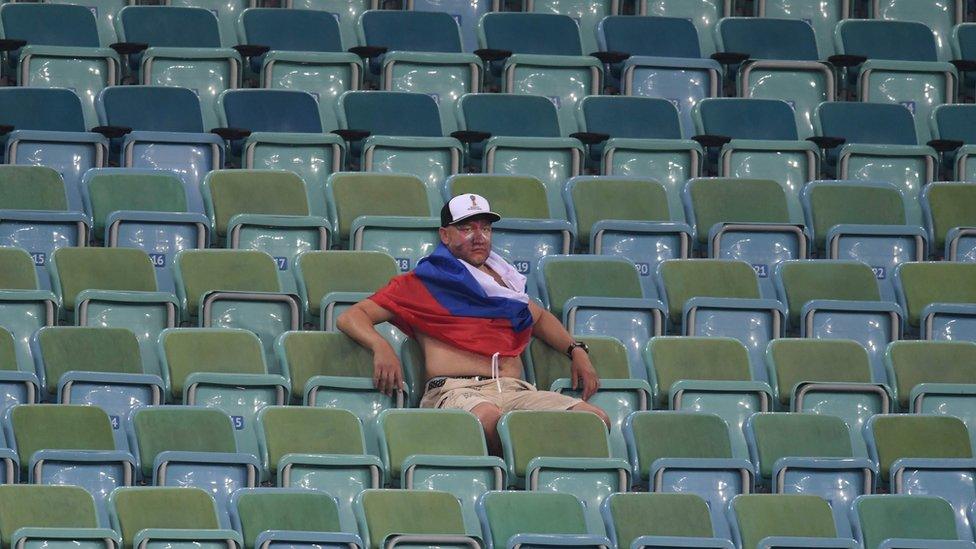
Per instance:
{"type": "Point", "coordinates": [492, 215]}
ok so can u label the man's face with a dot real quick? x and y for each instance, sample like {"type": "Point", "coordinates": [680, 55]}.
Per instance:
{"type": "Point", "coordinates": [469, 240]}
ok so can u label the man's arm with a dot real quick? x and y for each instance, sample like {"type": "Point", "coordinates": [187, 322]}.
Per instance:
{"type": "Point", "coordinates": [357, 323]}
{"type": "Point", "coordinates": [548, 328]}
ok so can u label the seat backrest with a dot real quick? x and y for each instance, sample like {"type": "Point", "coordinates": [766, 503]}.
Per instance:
{"type": "Point", "coordinates": [324, 272]}
{"type": "Point", "coordinates": [8, 351]}
{"type": "Point", "coordinates": [955, 122]}
{"type": "Point", "coordinates": [356, 194]}
{"type": "Point", "coordinates": [658, 514]}
{"type": "Point", "coordinates": [950, 205]}
{"type": "Point", "coordinates": [59, 427]}
{"type": "Point", "coordinates": [510, 196]}
{"type": "Point", "coordinates": [683, 279]}
{"type": "Point", "coordinates": [31, 187]}
{"type": "Point", "coordinates": [631, 117]}
{"type": "Point", "coordinates": [911, 363]}
{"type": "Point", "coordinates": [177, 428]}
{"type": "Point", "coordinates": [187, 351]}
{"type": "Point", "coordinates": [748, 118]}
{"type": "Point", "coordinates": [804, 281]}
{"type": "Point", "coordinates": [881, 517]}
{"type": "Point", "coordinates": [261, 509]}
{"type": "Point", "coordinates": [535, 33]}
{"type": "Point", "coordinates": [868, 123]}
{"type": "Point", "coordinates": [566, 277]}
{"type": "Point", "coordinates": [509, 114]}
{"type": "Point", "coordinates": [723, 200]}
{"type": "Point", "coordinates": [823, 360]}
{"type": "Point", "coordinates": [69, 348]}
{"type": "Point", "coordinates": [779, 435]}
{"type": "Point", "coordinates": [531, 434]}
{"type": "Point", "coordinates": [170, 26]}
{"type": "Point", "coordinates": [38, 506]}
{"type": "Point", "coordinates": [388, 512]}
{"type": "Point", "coordinates": [17, 269]}
{"type": "Point", "coordinates": [391, 113]}
{"type": "Point", "coordinates": [842, 202]}
{"type": "Point", "coordinates": [79, 269]}
{"type": "Point", "coordinates": [309, 354]}
{"type": "Point", "coordinates": [50, 24]}
{"type": "Point", "coordinates": [136, 508]}
{"type": "Point", "coordinates": [307, 430]}
{"type": "Point", "coordinates": [894, 40]}
{"type": "Point", "coordinates": [429, 31]}
{"type": "Point", "coordinates": [650, 36]}
{"type": "Point", "coordinates": [672, 358]}
{"type": "Point", "coordinates": [201, 271]}
{"type": "Point", "coordinates": [935, 282]}
{"type": "Point", "coordinates": [768, 38]}
{"type": "Point", "coordinates": [272, 192]}
{"type": "Point", "coordinates": [48, 109]}
{"type": "Point", "coordinates": [429, 432]}
{"type": "Point", "coordinates": [108, 191]}
{"type": "Point", "coordinates": [511, 513]}
{"type": "Point", "coordinates": [763, 515]}
{"type": "Point", "coordinates": [677, 435]}
{"type": "Point", "coordinates": [151, 108]}
{"type": "Point", "coordinates": [594, 199]}
{"type": "Point", "coordinates": [259, 110]}
{"type": "Point", "coordinates": [892, 437]}
{"type": "Point", "coordinates": [307, 30]}
{"type": "Point", "coordinates": [608, 355]}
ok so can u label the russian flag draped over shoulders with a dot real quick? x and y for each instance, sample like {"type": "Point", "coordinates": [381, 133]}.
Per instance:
{"type": "Point", "coordinates": [454, 302]}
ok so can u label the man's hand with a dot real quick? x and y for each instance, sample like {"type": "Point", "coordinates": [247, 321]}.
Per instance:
{"type": "Point", "coordinates": [387, 371]}
{"type": "Point", "coordinates": [583, 374]}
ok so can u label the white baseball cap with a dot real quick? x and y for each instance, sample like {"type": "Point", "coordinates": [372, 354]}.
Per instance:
{"type": "Point", "coordinates": [463, 206]}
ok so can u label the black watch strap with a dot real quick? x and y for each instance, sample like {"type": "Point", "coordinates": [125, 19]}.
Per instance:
{"type": "Point", "coordinates": [574, 345]}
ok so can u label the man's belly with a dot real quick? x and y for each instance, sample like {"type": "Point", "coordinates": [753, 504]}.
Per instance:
{"type": "Point", "coordinates": [442, 359]}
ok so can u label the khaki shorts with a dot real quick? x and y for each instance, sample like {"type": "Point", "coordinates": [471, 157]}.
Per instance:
{"type": "Point", "coordinates": [515, 394]}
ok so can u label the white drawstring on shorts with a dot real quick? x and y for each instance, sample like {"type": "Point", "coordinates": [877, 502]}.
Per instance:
{"type": "Point", "coordinates": [495, 371]}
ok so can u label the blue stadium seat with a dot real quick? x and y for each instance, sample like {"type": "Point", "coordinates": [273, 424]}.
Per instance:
{"type": "Point", "coordinates": [823, 17]}
{"type": "Point", "coordinates": [955, 123]}
{"type": "Point", "coordinates": [940, 16]}
{"type": "Point", "coordinates": [345, 12]}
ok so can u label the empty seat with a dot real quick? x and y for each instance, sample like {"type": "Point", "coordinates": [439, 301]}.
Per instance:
{"type": "Point", "coordinates": [811, 454]}
{"type": "Point", "coordinates": [318, 448]}
{"type": "Point", "coordinates": [388, 518]}
{"type": "Point", "coordinates": [191, 446]}
{"type": "Point", "coordinates": [49, 129]}
{"type": "Point", "coordinates": [25, 307]}
{"type": "Point", "coordinates": [536, 444]}
{"type": "Point", "coordinates": [35, 215]}
{"type": "Point", "coordinates": [221, 368]}
{"type": "Point", "coordinates": [73, 445]}
{"type": "Point", "coordinates": [524, 138]}
{"type": "Point", "coordinates": [933, 377]}
{"type": "Point", "coordinates": [184, 49]}
{"type": "Point", "coordinates": [703, 13]}
{"type": "Point", "coordinates": [545, 58]}
{"type": "Point", "coordinates": [885, 520]}
{"type": "Point", "coordinates": [939, 15]}
{"type": "Point", "coordinates": [43, 514]}
{"type": "Point", "coordinates": [306, 52]}
{"type": "Point", "coordinates": [345, 12]}
{"type": "Point", "coordinates": [330, 370]}
{"type": "Point", "coordinates": [384, 212]}
{"type": "Point", "coordinates": [105, 12]}
{"type": "Point", "coordinates": [465, 13]}
{"type": "Point", "coordinates": [823, 17]}
{"type": "Point", "coordinates": [787, 519]}
{"type": "Point", "coordinates": [285, 134]}
{"type": "Point", "coordinates": [707, 374]}
{"type": "Point", "coordinates": [658, 519]}
{"type": "Point", "coordinates": [62, 51]}
{"type": "Point", "coordinates": [880, 144]}
{"type": "Point", "coordinates": [18, 385]}
{"type": "Point", "coordinates": [829, 377]}
{"type": "Point", "coordinates": [266, 210]}
{"type": "Point", "coordinates": [747, 220]}
{"type": "Point", "coordinates": [953, 125]}
{"type": "Point", "coordinates": [665, 61]}
{"type": "Point", "coordinates": [145, 515]}
{"type": "Point", "coordinates": [938, 299]}
{"type": "Point", "coordinates": [268, 516]}
{"type": "Point", "coordinates": [718, 297]}
{"type": "Point", "coordinates": [440, 450]}
{"type": "Point", "coordinates": [535, 519]}
{"type": "Point", "coordinates": [877, 235]}
{"type": "Point", "coordinates": [331, 280]}
{"type": "Point", "coordinates": [829, 299]}
{"type": "Point", "coordinates": [586, 13]}
{"type": "Point", "coordinates": [951, 220]}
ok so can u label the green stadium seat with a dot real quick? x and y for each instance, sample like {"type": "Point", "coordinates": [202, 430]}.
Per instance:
{"type": "Point", "coordinates": [780, 520]}
{"type": "Point", "coordinates": [25, 307]}
{"type": "Point", "coordinates": [391, 518]}
{"type": "Point", "coordinates": [890, 520]}
{"type": "Point", "coordinates": [150, 515]}
{"type": "Point", "coordinates": [938, 299]}
{"type": "Point", "coordinates": [332, 280]}
{"type": "Point", "coordinates": [273, 516]}
{"type": "Point", "coordinates": [951, 220]}
{"type": "Point", "coordinates": [536, 519]}
{"type": "Point", "coordinates": [52, 515]}
{"type": "Point", "coordinates": [654, 520]}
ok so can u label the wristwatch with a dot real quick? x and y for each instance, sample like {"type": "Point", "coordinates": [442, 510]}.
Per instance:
{"type": "Point", "coordinates": [574, 345]}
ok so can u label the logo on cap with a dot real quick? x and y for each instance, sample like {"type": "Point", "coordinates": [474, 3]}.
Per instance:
{"type": "Point", "coordinates": [474, 203]}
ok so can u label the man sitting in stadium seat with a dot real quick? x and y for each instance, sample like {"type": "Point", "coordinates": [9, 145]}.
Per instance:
{"type": "Point", "coordinates": [468, 309]}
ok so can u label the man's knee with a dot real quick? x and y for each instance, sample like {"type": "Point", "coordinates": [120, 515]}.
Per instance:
{"type": "Point", "coordinates": [587, 407]}
{"type": "Point", "coordinates": [488, 414]}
